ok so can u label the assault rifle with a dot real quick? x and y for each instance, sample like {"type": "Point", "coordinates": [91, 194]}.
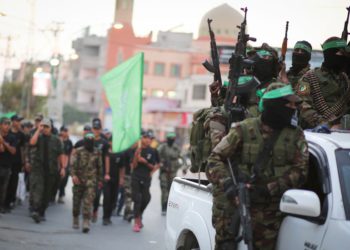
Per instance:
{"type": "Point", "coordinates": [284, 45]}
{"type": "Point", "coordinates": [244, 211]}
{"type": "Point", "coordinates": [345, 33]}
{"type": "Point", "coordinates": [236, 113]}
{"type": "Point", "coordinates": [236, 61]}
{"type": "Point", "coordinates": [215, 67]}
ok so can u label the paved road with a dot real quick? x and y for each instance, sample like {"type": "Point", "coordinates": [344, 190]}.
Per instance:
{"type": "Point", "coordinates": [18, 231]}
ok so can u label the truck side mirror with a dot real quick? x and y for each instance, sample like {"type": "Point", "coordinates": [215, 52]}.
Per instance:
{"type": "Point", "coordinates": [300, 202]}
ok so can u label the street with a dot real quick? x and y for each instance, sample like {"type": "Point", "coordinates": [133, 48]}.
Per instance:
{"type": "Point", "coordinates": [18, 231]}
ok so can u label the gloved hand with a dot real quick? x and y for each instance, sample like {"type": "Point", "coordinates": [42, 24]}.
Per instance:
{"type": "Point", "coordinates": [229, 188]}
{"type": "Point", "coordinates": [323, 128]}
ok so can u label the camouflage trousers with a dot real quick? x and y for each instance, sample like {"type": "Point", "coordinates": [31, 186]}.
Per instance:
{"type": "Point", "coordinates": [266, 221]}
{"type": "Point", "coordinates": [166, 179]}
{"type": "Point", "coordinates": [41, 185]}
{"type": "Point", "coordinates": [128, 210]}
{"type": "Point", "coordinates": [225, 219]}
{"type": "Point", "coordinates": [85, 195]}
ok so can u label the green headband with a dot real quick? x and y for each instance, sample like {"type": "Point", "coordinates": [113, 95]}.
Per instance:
{"type": "Point", "coordinates": [263, 53]}
{"type": "Point", "coordinates": [241, 80]}
{"type": "Point", "coordinates": [276, 93]}
{"type": "Point", "coordinates": [334, 44]}
{"type": "Point", "coordinates": [299, 45]}
{"type": "Point", "coordinates": [89, 136]}
{"type": "Point", "coordinates": [170, 135]}
{"type": "Point", "coordinates": [260, 92]}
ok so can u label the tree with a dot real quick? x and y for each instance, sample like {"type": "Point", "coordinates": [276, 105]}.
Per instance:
{"type": "Point", "coordinates": [17, 96]}
{"type": "Point", "coordinates": [11, 95]}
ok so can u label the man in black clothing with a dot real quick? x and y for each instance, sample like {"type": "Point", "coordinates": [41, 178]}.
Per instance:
{"type": "Point", "coordinates": [103, 146]}
{"type": "Point", "coordinates": [143, 163]}
{"type": "Point", "coordinates": [110, 189]}
{"type": "Point", "coordinates": [17, 162]}
{"type": "Point", "coordinates": [67, 150]}
{"type": "Point", "coordinates": [7, 152]}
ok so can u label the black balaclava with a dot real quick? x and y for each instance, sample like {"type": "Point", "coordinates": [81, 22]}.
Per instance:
{"type": "Point", "coordinates": [332, 61]}
{"type": "Point", "coordinates": [301, 60]}
{"type": "Point", "coordinates": [275, 114]}
{"type": "Point", "coordinates": [263, 69]}
{"type": "Point", "coordinates": [170, 141]}
{"type": "Point", "coordinates": [89, 144]}
{"type": "Point", "coordinates": [347, 66]}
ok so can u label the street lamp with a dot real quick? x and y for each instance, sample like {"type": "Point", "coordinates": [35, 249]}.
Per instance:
{"type": "Point", "coordinates": [118, 26]}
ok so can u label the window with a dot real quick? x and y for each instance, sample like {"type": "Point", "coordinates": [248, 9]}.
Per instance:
{"type": "Point", "coordinates": [175, 70]}
{"type": "Point", "coordinates": [159, 69]}
{"type": "Point", "coordinates": [145, 68]}
{"type": "Point", "coordinates": [92, 51]}
{"type": "Point", "coordinates": [158, 93]}
{"type": "Point", "coordinates": [343, 159]}
{"type": "Point", "coordinates": [171, 94]}
{"type": "Point", "coordinates": [199, 91]}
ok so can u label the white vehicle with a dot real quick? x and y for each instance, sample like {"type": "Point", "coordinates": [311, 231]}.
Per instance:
{"type": "Point", "coordinates": [318, 216]}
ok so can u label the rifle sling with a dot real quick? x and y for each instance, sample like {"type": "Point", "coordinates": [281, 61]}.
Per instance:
{"type": "Point", "coordinates": [265, 153]}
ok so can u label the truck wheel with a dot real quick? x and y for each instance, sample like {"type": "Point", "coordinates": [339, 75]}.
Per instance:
{"type": "Point", "coordinates": [190, 243]}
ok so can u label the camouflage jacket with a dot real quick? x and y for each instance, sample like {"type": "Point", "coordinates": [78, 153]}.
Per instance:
{"type": "Point", "coordinates": [54, 150]}
{"type": "Point", "coordinates": [332, 85]}
{"type": "Point", "coordinates": [286, 167]}
{"type": "Point", "coordinates": [87, 166]}
{"type": "Point", "coordinates": [294, 78]}
{"type": "Point", "coordinates": [169, 156]}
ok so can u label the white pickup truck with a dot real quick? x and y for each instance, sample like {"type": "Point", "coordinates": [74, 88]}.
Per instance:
{"type": "Point", "coordinates": [317, 216]}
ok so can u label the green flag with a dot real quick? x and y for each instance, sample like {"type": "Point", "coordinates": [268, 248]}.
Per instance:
{"type": "Point", "coordinates": [123, 88]}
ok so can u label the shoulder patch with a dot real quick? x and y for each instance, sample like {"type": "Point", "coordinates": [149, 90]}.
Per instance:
{"type": "Point", "coordinates": [303, 89]}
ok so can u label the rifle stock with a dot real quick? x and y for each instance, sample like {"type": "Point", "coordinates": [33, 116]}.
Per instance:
{"type": "Point", "coordinates": [345, 33]}
{"type": "Point", "coordinates": [284, 44]}
{"type": "Point", "coordinates": [215, 66]}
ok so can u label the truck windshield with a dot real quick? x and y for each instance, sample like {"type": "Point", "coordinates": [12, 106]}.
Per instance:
{"type": "Point", "coordinates": [343, 163]}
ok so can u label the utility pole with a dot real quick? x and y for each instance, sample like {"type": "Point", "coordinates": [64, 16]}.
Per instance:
{"type": "Point", "coordinates": [8, 55]}
{"type": "Point", "coordinates": [55, 100]}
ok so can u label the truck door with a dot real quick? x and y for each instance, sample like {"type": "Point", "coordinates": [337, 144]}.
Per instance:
{"type": "Point", "coordinates": [307, 233]}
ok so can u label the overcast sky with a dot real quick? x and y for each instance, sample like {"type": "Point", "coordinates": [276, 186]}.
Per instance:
{"type": "Point", "coordinates": [312, 20]}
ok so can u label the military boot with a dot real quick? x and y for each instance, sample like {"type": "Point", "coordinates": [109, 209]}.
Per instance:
{"type": "Point", "coordinates": [76, 222]}
{"type": "Point", "coordinates": [86, 225]}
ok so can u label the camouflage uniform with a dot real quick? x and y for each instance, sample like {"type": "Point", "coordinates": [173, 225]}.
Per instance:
{"type": "Point", "coordinates": [294, 78]}
{"type": "Point", "coordinates": [169, 156]}
{"type": "Point", "coordinates": [287, 168]}
{"type": "Point", "coordinates": [43, 174]}
{"type": "Point", "coordinates": [88, 168]}
{"type": "Point", "coordinates": [333, 87]}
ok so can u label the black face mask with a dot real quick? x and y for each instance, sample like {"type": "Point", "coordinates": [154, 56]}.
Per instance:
{"type": "Point", "coordinates": [300, 60]}
{"type": "Point", "coordinates": [170, 141]}
{"type": "Point", "coordinates": [333, 61]}
{"type": "Point", "coordinates": [276, 115]}
{"type": "Point", "coordinates": [263, 69]}
{"type": "Point", "coordinates": [89, 144]}
{"type": "Point", "coordinates": [347, 66]}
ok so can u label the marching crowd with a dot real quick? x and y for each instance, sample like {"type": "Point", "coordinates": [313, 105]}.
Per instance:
{"type": "Point", "coordinates": [47, 157]}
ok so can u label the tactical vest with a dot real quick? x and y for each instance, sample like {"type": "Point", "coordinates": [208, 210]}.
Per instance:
{"type": "Point", "coordinates": [282, 154]}
{"type": "Point", "coordinates": [200, 141]}
{"type": "Point", "coordinates": [200, 145]}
